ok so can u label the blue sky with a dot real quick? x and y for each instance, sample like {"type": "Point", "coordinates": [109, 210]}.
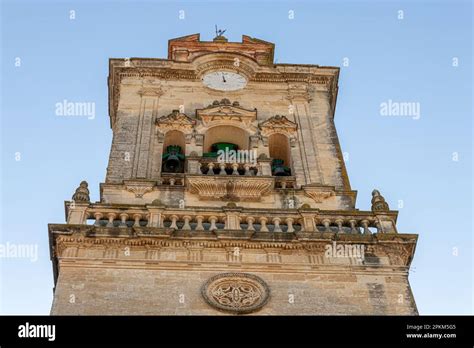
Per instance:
{"type": "Point", "coordinates": [411, 161]}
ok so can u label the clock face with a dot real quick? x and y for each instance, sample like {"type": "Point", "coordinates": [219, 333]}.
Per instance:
{"type": "Point", "coordinates": [224, 81]}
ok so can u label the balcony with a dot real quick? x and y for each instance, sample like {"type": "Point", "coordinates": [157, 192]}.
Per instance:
{"type": "Point", "coordinates": [231, 218]}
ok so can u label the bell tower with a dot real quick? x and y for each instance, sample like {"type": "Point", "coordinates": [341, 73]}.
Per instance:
{"type": "Point", "coordinates": [226, 193]}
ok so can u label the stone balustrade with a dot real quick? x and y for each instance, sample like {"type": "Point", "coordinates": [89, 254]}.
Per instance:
{"type": "Point", "coordinates": [233, 218]}
{"type": "Point", "coordinates": [213, 167]}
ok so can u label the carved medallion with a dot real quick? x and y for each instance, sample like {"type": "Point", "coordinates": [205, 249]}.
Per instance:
{"type": "Point", "coordinates": [237, 293]}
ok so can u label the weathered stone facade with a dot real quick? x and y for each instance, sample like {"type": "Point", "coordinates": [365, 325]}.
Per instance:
{"type": "Point", "coordinates": [179, 231]}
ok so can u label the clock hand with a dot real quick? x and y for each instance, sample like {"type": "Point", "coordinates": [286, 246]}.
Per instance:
{"type": "Point", "coordinates": [223, 78]}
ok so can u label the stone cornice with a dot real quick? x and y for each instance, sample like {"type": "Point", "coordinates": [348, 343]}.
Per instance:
{"type": "Point", "coordinates": [67, 239]}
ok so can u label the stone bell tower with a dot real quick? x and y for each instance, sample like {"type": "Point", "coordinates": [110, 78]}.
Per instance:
{"type": "Point", "coordinates": [226, 193]}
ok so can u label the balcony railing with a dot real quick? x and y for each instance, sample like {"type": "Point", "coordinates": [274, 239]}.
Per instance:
{"type": "Point", "coordinates": [211, 166]}
{"type": "Point", "coordinates": [229, 218]}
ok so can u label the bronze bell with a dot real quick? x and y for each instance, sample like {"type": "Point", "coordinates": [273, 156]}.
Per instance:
{"type": "Point", "coordinates": [173, 160]}
{"type": "Point", "coordinates": [279, 169]}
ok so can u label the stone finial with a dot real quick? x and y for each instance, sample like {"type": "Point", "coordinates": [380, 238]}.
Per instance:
{"type": "Point", "coordinates": [82, 193]}
{"type": "Point", "coordinates": [378, 202]}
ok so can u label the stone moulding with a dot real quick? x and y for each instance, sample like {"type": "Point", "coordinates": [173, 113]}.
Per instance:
{"type": "Point", "coordinates": [229, 188]}
{"type": "Point", "coordinates": [139, 188]}
{"type": "Point", "coordinates": [237, 293]}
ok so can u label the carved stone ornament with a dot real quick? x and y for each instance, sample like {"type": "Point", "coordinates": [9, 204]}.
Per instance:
{"type": "Point", "coordinates": [139, 188]}
{"type": "Point", "coordinates": [318, 194]}
{"type": "Point", "coordinates": [176, 121]}
{"type": "Point", "coordinates": [230, 189]}
{"type": "Point", "coordinates": [82, 193]}
{"type": "Point", "coordinates": [378, 202]}
{"type": "Point", "coordinates": [237, 293]}
{"type": "Point", "coordinates": [278, 124]}
{"type": "Point", "coordinates": [225, 112]}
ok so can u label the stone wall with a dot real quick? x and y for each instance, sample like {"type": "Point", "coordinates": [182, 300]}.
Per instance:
{"type": "Point", "coordinates": [146, 290]}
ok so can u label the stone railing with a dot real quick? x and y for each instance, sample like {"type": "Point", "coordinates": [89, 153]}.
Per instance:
{"type": "Point", "coordinates": [211, 166]}
{"type": "Point", "coordinates": [233, 218]}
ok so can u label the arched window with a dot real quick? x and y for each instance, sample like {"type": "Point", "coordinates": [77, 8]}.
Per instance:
{"type": "Point", "coordinates": [174, 147]}
{"type": "Point", "coordinates": [279, 147]}
{"type": "Point", "coordinates": [226, 134]}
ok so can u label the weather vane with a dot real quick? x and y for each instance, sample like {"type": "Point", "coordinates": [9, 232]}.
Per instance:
{"type": "Point", "coordinates": [219, 32]}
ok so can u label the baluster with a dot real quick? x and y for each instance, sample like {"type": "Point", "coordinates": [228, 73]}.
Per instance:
{"type": "Point", "coordinates": [247, 169]}
{"type": "Point", "coordinates": [365, 225]}
{"type": "Point", "coordinates": [211, 169]}
{"type": "Point", "coordinates": [235, 168]}
{"type": "Point", "coordinates": [353, 226]}
{"type": "Point", "coordinates": [263, 224]}
{"type": "Point", "coordinates": [222, 171]}
{"type": "Point", "coordinates": [199, 220]}
{"type": "Point", "coordinates": [137, 218]}
{"type": "Point", "coordinates": [289, 222]}
{"type": "Point", "coordinates": [276, 222]}
{"type": "Point", "coordinates": [97, 216]}
{"type": "Point", "coordinates": [123, 219]}
{"type": "Point", "coordinates": [326, 223]}
{"type": "Point", "coordinates": [111, 217]}
{"type": "Point", "coordinates": [339, 222]}
{"type": "Point", "coordinates": [174, 218]}
{"type": "Point", "coordinates": [186, 225]}
{"type": "Point", "coordinates": [250, 221]}
{"type": "Point", "coordinates": [213, 220]}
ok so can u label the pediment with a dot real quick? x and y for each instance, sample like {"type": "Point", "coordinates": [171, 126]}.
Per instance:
{"type": "Point", "coordinates": [224, 111]}
{"type": "Point", "coordinates": [175, 120]}
{"type": "Point", "coordinates": [278, 124]}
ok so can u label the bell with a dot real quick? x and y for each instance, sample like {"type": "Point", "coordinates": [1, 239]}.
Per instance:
{"type": "Point", "coordinates": [172, 164]}
{"type": "Point", "coordinates": [279, 169]}
{"type": "Point", "coordinates": [173, 160]}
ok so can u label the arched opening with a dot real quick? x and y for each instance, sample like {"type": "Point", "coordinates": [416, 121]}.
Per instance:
{"type": "Point", "coordinates": [226, 134]}
{"type": "Point", "coordinates": [279, 147]}
{"type": "Point", "coordinates": [174, 147]}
